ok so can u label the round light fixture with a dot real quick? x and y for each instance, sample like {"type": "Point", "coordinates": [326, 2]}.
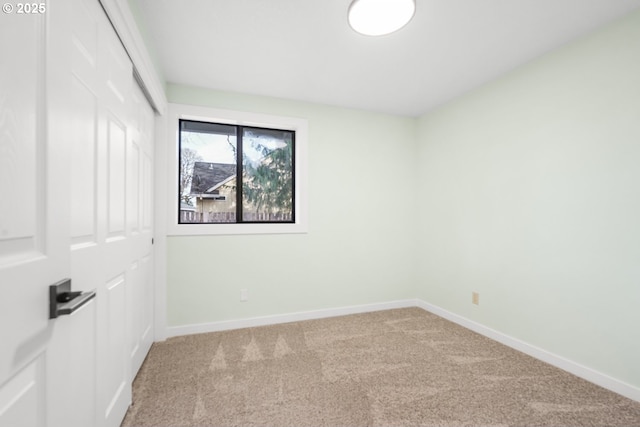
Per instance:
{"type": "Point", "coordinates": [379, 17]}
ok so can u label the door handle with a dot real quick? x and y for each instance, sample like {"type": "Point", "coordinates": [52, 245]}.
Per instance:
{"type": "Point", "coordinates": [63, 301]}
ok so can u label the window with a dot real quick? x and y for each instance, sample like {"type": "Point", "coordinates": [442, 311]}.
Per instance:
{"type": "Point", "coordinates": [235, 174]}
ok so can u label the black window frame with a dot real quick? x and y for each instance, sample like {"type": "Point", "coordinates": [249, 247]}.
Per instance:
{"type": "Point", "coordinates": [239, 173]}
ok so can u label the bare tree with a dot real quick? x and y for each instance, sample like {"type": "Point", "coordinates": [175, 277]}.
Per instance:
{"type": "Point", "coordinates": [188, 159]}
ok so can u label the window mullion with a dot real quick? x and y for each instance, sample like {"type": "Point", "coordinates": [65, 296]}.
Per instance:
{"type": "Point", "coordinates": [239, 166]}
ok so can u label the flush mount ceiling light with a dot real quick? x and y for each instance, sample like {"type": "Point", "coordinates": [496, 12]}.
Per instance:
{"type": "Point", "coordinates": [379, 17]}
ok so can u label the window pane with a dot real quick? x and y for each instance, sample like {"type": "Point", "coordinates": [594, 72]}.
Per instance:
{"type": "Point", "coordinates": [207, 172]}
{"type": "Point", "coordinates": [267, 174]}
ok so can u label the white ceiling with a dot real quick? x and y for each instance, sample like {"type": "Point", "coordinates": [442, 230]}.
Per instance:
{"type": "Point", "coordinates": [305, 49]}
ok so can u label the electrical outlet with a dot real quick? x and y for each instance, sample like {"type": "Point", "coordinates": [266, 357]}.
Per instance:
{"type": "Point", "coordinates": [475, 298]}
{"type": "Point", "coordinates": [244, 295]}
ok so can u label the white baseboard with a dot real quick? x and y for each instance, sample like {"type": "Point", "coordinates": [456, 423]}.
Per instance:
{"type": "Point", "coordinates": [581, 371]}
{"type": "Point", "coordinates": [226, 325]}
{"type": "Point", "coordinates": [576, 369]}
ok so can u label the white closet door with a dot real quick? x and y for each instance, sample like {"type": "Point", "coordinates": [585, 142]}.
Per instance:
{"type": "Point", "coordinates": [111, 235]}
{"type": "Point", "coordinates": [140, 227]}
{"type": "Point", "coordinates": [34, 224]}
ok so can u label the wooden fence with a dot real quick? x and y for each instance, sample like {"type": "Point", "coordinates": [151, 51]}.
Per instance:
{"type": "Point", "coordinates": [191, 217]}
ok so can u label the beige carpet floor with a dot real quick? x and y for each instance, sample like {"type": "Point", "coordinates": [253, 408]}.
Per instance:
{"type": "Point", "coordinates": [404, 367]}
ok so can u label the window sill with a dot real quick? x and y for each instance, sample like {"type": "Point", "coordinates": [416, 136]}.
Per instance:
{"type": "Point", "coordinates": [231, 229]}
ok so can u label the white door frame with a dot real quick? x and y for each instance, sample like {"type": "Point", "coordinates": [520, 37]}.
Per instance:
{"type": "Point", "coordinates": [124, 23]}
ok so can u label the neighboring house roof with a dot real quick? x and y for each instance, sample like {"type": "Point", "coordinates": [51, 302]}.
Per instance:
{"type": "Point", "coordinates": [207, 177]}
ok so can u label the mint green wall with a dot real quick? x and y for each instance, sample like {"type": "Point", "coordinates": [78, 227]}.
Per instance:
{"type": "Point", "coordinates": [529, 191]}
{"type": "Point", "coordinates": [526, 190]}
{"type": "Point", "coordinates": [361, 212]}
